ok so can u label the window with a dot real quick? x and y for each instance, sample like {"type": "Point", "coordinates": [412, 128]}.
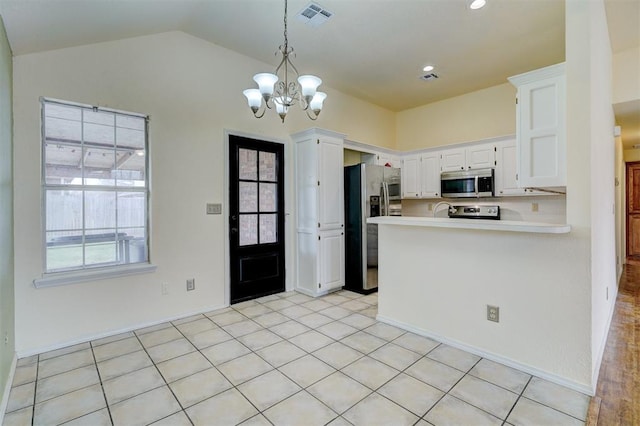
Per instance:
{"type": "Point", "coordinates": [95, 187]}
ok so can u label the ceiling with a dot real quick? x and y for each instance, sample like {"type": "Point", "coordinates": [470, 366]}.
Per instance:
{"type": "Point", "coordinates": [371, 49]}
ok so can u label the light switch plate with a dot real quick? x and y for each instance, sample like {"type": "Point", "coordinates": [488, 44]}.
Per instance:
{"type": "Point", "coordinates": [214, 208]}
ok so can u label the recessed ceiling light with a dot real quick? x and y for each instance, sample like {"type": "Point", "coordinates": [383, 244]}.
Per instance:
{"type": "Point", "coordinates": [477, 4]}
{"type": "Point", "coordinates": [428, 68]}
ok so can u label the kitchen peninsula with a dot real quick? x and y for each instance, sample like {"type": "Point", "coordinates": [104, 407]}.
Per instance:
{"type": "Point", "coordinates": [437, 276]}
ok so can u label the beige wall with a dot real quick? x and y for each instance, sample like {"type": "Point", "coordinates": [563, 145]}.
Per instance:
{"type": "Point", "coordinates": [626, 75]}
{"type": "Point", "coordinates": [631, 155]}
{"type": "Point", "coordinates": [591, 160]}
{"type": "Point", "coordinates": [192, 91]}
{"type": "Point", "coordinates": [478, 115]}
{"type": "Point", "coordinates": [7, 351]}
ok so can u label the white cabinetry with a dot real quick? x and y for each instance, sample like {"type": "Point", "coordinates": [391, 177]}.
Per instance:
{"type": "Point", "coordinates": [541, 127]}
{"type": "Point", "coordinates": [320, 211]}
{"type": "Point", "coordinates": [453, 159]}
{"type": "Point", "coordinates": [479, 156]}
{"type": "Point", "coordinates": [411, 176]}
{"type": "Point", "coordinates": [430, 175]}
{"type": "Point", "coordinates": [507, 172]}
{"type": "Point", "coordinates": [392, 160]}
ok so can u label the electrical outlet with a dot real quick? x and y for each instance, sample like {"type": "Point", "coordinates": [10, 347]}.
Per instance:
{"type": "Point", "coordinates": [493, 313]}
{"type": "Point", "coordinates": [191, 284]}
{"type": "Point", "coordinates": [534, 207]}
{"type": "Point", "coordinates": [429, 207]}
{"type": "Point", "coordinates": [214, 208]}
{"type": "Point", "coordinates": [165, 289]}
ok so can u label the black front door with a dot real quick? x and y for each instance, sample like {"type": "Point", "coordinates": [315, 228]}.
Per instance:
{"type": "Point", "coordinates": [256, 218]}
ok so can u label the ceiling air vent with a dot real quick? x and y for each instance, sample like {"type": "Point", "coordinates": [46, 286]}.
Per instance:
{"type": "Point", "coordinates": [314, 15]}
{"type": "Point", "coordinates": [429, 77]}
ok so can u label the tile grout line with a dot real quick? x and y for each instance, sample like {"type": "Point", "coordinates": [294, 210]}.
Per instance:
{"type": "Point", "coordinates": [35, 390]}
{"type": "Point", "coordinates": [104, 394]}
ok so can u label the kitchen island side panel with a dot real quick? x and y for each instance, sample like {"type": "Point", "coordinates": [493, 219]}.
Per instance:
{"type": "Point", "coordinates": [438, 282]}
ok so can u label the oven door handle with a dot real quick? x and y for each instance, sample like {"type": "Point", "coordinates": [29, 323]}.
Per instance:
{"type": "Point", "coordinates": [476, 185]}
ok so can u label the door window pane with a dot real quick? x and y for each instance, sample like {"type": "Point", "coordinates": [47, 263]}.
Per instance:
{"type": "Point", "coordinates": [268, 228]}
{"type": "Point", "coordinates": [268, 166]}
{"type": "Point", "coordinates": [247, 163]}
{"type": "Point", "coordinates": [248, 229]}
{"type": "Point", "coordinates": [268, 197]}
{"type": "Point", "coordinates": [248, 197]}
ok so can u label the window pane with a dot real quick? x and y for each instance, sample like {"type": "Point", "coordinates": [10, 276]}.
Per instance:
{"type": "Point", "coordinates": [62, 111]}
{"type": "Point", "coordinates": [99, 165]}
{"type": "Point", "coordinates": [131, 209]}
{"type": "Point", "coordinates": [247, 163]}
{"type": "Point", "coordinates": [100, 247]}
{"type": "Point", "coordinates": [248, 197]}
{"type": "Point", "coordinates": [268, 196]}
{"type": "Point", "coordinates": [131, 166]}
{"type": "Point", "coordinates": [64, 250]}
{"type": "Point", "coordinates": [100, 209]}
{"type": "Point", "coordinates": [268, 166]}
{"type": "Point", "coordinates": [62, 129]}
{"type": "Point", "coordinates": [268, 228]}
{"type": "Point", "coordinates": [248, 229]}
{"type": "Point", "coordinates": [129, 138]}
{"type": "Point", "coordinates": [130, 122]}
{"type": "Point", "coordinates": [63, 164]}
{"type": "Point", "coordinates": [134, 245]}
{"type": "Point", "coordinates": [64, 210]}
{"type": "Point", "coordinates": [99, 117]}
{"type": "Point", "coordinates": [98, 134]}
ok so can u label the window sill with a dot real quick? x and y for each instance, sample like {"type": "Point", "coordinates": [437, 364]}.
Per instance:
{"type": "Point", "coordinates": [63, 278]}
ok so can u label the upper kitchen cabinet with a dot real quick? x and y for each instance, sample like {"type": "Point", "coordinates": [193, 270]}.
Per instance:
{"type": "Point", "coordinates": [430, 175]}
{"type": "Point", "coordinates": [541, 127]}
{"type": "Point", "coordinates": [384, 159]}
{"type": "Point", "coordinates": [411, 176]}
{"type": "Point", "coordinates": [478, 156]}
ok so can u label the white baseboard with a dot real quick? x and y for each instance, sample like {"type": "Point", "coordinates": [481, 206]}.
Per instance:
{"type": "Point", "coordinates": [7, 388]}
{"type": "Point", "coordinates": [580, 387]}
{"type": "Point", "coordinates": [84, 339]}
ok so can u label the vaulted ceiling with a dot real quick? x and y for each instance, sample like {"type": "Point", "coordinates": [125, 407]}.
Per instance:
{"type": "Point", "coordinates": [372, 49]}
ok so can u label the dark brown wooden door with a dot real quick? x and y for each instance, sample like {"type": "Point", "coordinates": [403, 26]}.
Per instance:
{"type": "Point", "coordinates": [256, 218]}
{"type": "Point", "coordinates": [633, 213]}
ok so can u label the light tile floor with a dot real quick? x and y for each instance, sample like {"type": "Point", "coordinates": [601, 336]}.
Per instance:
{"type": "Point", "coordinates": [286, 359]}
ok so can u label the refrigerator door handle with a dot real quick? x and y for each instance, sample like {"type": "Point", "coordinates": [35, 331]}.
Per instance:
{"type": "Point", "coordinates": [385, 195]}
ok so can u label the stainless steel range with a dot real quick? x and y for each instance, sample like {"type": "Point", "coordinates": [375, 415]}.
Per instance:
{"type": "Point", "coordinates": [474, 212]}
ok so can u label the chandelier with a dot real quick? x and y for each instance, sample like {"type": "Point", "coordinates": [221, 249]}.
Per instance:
{"type": "Point", "coordinates": [278, 90]}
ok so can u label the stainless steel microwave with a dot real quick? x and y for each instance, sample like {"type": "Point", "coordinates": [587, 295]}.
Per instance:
{"type": "Point", "coordinates": [468, 183]}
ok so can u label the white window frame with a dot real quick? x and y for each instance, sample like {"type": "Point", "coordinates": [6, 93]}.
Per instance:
{"type": "Point", "coordinates": [90, 273]}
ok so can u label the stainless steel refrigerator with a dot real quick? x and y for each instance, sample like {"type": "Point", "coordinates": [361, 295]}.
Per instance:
{"type": "Point", "coordinates": [369, 191]}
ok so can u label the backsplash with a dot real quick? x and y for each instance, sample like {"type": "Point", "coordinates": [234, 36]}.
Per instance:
{"type": "Point", "coordinates": [548, 209]}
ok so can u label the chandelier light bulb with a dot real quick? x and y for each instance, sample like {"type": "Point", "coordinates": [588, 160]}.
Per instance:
{"type": "Point", "coordinates": [309, 84]}
{"type": "Point", "coordinates": [282, 106]}
{"type": "Point", "coordinates": [265, 81]}
{"type": "Point", "coordinates": [254, 98]}
{"type": "Point", "coordinates": [316, 102]}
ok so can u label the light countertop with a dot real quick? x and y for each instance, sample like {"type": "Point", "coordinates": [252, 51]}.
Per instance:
{"type": "Point", "coordinates": [480, 224]}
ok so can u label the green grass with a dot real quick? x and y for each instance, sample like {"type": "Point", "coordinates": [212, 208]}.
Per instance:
{"type": "Point", "coordinates": [70, 256]}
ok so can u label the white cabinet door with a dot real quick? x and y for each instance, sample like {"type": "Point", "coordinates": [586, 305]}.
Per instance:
{"type": "Point", "coordinates": [507, 170]}
{"type": "Point", "coordinates": [331, 260]}
{"type": "Point", "coordinates": [481, 156]}
{"type": "Point", "coordinates": [453, 159]}
{"type": "Point", "coordinates": [391, 160]}
{"type": "Point", "coordinates": [331, 184]}
{"type": "Point", "coordinates": [430, 175]}
{"type": "Point", "coordinates": [541, 127]}
{"type": "Point", "coordinates": [411, 177]}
